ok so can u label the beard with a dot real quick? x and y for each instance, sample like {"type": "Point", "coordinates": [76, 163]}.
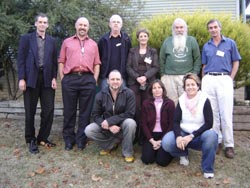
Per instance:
{"type": "Point", "coordinates": [179, 42]}
{"type": "Point", "coordinates": [114, 87]}
{"type": "Point", "coordinates": [82, 32]}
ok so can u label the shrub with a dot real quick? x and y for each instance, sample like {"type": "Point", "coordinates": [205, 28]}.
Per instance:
{"type": "Point", "coordinates": [160, 27]}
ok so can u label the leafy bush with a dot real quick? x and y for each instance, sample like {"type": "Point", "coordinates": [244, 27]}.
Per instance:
{"type": "Point", "coordinates": [17, 18]}
{"type": "Point", "coordinates": [160, 27]}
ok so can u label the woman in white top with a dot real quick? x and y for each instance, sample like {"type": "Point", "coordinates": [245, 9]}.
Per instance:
{"type": "Point", "coordinates": [193, 121]}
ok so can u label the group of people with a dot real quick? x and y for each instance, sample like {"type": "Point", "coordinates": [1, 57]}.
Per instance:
{"type": "Point", "coordinates": [167, 116]}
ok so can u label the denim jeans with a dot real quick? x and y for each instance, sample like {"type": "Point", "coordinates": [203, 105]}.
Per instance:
{"type": "Point", "coordinates": [207, 143]}
{"type": "Point", "coordinates": [106, 140]}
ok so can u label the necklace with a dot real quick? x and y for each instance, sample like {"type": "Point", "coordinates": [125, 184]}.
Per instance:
{"type": "Point", "coordinates": [82, 45]}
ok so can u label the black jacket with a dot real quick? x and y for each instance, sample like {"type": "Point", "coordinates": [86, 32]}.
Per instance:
{"type": "Point", "coordinates": [132, 65]}
{"type": "Point", "coordinates": [148, 117]}
{"type": "Point", "coordinates": [115, 112]}
{"type": "Point", "coordinates": [105, 51]}
{"type": "Point", "coordinates": [27, 60]}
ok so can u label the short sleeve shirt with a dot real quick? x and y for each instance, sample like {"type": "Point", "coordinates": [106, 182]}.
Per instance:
{"type": "Point", "coordinates": [72, 56]}
{"type": "Point", "coordinates": [220, 58]}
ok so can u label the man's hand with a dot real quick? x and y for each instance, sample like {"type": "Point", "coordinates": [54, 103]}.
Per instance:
{"type": "Point", "coordinates": [54, 84]}
{"type": "Point", "coordinates": [61, 67]}
{"type": "Point", "coordinates": [105, 125]}
{"type": "Point", "coordinates": [22, 85]}
{"type": "Point", "coordinates": [114, 129]}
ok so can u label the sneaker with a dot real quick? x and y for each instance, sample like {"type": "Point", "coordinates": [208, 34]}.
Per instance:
{"type": "Point", "coordinates": [108, 151]}
{"type": "Point", "coordinates": [229, 152]}
{"type": "Point", "coordinates": [184, 160]}
{"type": "Point", "coordinates": [129, 159]}
{"type": "Point", "coordinates": [208, 175]}
{"type": "Point", "coordinates": [104, 152]}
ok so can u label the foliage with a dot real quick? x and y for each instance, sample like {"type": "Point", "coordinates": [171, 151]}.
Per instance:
{"type": "Point", "coordinates": [10, 29]}
{"type": "Point", "coordinates": [160, 27]}
{"type": "Point", "coordinates": [17, 18]}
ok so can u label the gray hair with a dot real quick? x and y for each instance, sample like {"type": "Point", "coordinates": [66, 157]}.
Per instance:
{"type": "Point", "coordinates": [181, 21]}
{"type": "Point", "coordinates": [214, 20]}
{"type": "Point", "coordinates": [113, 16]}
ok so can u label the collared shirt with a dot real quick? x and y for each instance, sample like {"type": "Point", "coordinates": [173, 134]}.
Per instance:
{"type": "Point", "coordinates": [220, 58]}
{"type": "Point", "coordinates": [73, 58]}
{"type": "Point", "coordinates": [40, 47]}
{"type": "Point", "coordinates": [112, 35]}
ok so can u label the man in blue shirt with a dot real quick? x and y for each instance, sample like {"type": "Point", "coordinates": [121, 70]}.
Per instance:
{"type": "Point", "coordinates": [220, 59]}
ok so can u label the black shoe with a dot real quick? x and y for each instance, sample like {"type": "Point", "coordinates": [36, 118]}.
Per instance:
{"type": "Point", "coordinates": [33, 148]}
{"type": "Point", "coordinates": [229, 152]}
{"type": "Point", "coordinates": [68, 146]}
{"type": "Point", "coordinates": [81, 146]}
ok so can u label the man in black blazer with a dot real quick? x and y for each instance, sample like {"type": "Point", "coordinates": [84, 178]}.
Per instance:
{"type": "Point", "coordinates": [37, 71]}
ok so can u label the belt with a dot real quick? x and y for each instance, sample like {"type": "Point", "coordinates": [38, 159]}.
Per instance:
{"type": "Point", "coordinates": [217, 73]}
{"type": "Point", "coordinates": [80, 73]}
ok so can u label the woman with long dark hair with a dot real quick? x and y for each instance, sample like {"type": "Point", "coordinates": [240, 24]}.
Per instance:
{"type": "Point", "coordinates": [156, 120]}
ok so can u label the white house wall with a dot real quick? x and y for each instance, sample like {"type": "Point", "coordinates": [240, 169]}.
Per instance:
{"type": "Point", "coordinates": [155, 7]}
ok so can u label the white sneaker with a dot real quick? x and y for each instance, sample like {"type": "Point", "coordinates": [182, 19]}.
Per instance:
{"type": "Point", "coordinates": [184, 160]}
{"type": "Point", "coordinates": [208, 175]}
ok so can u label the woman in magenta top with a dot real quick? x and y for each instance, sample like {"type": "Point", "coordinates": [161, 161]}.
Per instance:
{"type": "Point", "coordinates": [156, 120]}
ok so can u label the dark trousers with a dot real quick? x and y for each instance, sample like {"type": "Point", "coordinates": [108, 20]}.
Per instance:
{"type": "Point", "coordinates": [77, 91]}
{"type": "Point", "coordinates": [140, 96]}
{"type": "Point", "coordinates": [149, 155]}
{"type": "Point", "coordinates": [47, 97]}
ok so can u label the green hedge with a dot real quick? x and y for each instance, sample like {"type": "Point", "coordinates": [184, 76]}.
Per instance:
{"type": "Point", "coordinates": [160, 27]}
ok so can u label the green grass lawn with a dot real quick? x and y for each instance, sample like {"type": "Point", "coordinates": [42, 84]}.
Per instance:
{"type": "Point", "coordinates": [57, 168]}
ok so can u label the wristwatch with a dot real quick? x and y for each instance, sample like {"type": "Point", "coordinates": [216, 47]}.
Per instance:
{"type": "Point", "coordinates": [192, 135]}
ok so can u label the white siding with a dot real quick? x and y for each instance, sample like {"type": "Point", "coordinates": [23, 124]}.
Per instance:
{"type": "Point", "coordinates": [154, 7]}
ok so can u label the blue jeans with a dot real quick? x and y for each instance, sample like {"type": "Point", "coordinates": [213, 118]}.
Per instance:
{"type": "Point", "coordinates": [207, 143]}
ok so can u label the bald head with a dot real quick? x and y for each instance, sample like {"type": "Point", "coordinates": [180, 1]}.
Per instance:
{"type": "Point", "coordinates": [114, 80]}
{"type": "Point", "coordinates": [82, 27]}
{"type": "Point", "coordinates": [82, 19]}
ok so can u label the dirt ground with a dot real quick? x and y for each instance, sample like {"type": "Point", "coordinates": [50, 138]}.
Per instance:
{"type": "Point", "coordinates": [57, 168]}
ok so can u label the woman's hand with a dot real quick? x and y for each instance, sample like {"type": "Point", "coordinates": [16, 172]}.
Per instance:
{"type": "Point", "coordinates": [141, 80]}
{"type": "Point", "coordinates": [156, 144]}
{"type": "Point", "coordinates": [187, 139]}
{"type": "Point", "coordinates": [180, 143]}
